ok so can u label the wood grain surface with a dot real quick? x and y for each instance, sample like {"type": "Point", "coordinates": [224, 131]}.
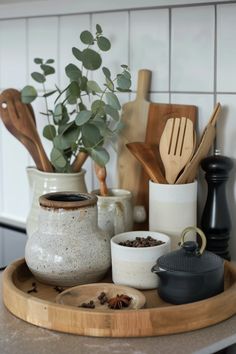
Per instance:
{"type": "Point", "coordinates": [157, 318]}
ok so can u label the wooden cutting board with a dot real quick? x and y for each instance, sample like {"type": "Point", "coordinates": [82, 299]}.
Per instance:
{"type": "Point", "coordinates": [134, 117]}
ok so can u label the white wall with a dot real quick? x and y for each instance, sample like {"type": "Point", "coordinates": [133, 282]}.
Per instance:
{"type": "Point", "coordinates": [190, 49]}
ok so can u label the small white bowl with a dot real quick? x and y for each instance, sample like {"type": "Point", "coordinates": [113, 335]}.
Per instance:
{"type": "Point", "coordinates": [132, 266]}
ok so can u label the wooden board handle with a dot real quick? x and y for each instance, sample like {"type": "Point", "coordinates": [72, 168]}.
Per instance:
{"type": "Point", "coordinates": [144, 81]}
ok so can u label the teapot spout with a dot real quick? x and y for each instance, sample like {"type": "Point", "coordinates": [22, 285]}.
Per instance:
{"type": "Point", "coordinates": [160, 272]}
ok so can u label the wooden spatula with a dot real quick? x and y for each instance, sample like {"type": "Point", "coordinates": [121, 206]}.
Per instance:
{"type": "Point", "coordinates": [176, 146]}
{"type": "Point", "coordinates": [147, 155]}
{"type": "Point", "coordinates": [19, 120]}
{"type": "Point", "coordinates": [206, 141]}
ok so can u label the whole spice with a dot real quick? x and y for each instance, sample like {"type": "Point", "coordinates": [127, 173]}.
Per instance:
{"type": "Point", "coordinates": [142, 242]}
{"type": "Point", "coordinates": [88, 305]}
{"type": "Point", "coordinates": [119, 301]}
{"type": "Point", "coordinates": [59, 289]}
{"type": "Point", "coordinates": [34, 288]}
{"type": "Point", "coordinates": [103, 298]}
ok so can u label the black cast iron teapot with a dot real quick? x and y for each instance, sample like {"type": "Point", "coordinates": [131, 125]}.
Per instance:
{"type": "Point", "coordinates": [190, 273]}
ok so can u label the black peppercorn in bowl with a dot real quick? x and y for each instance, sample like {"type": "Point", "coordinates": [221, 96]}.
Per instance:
{"type": "Point", "coordinates": [133, 254]}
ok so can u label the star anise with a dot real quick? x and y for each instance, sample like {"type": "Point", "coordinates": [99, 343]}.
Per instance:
{"type": "Point", "coordinates": [119, 301]}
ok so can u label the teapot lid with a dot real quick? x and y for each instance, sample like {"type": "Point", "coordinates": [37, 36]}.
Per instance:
{"type": "Point", "coordinates": [189, 258]}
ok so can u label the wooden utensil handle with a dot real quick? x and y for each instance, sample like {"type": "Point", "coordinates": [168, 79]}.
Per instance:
{"type": "Point", "coordinates": [79, 161]}
{"type": "Point", "coordinates": [144, 80]}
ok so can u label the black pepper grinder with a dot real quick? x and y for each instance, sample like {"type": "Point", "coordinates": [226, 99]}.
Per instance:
{"type": "Point", "coordinates": [215, 221]}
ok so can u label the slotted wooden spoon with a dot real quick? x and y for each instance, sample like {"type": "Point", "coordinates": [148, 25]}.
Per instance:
{"type": "Point", "coordinates": [176, 146]}
{"type": "Point", "coordinates": [19, 120]}
{"type": "Point", "coordinates": [147, 155]}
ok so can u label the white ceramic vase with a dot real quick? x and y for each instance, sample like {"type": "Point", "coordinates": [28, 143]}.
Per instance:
{"type": "Point", "coordinates": [68, 248]}
{"type": "Point", "coordinates": [47, 182]}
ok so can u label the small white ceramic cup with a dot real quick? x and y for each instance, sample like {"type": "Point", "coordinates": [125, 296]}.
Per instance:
{"type": "Point", "coordinates": [115, 211]}
{"type": "Point", "coordinates": [132, 266]}
{"type": "Point", "coordinates": [172, 208]}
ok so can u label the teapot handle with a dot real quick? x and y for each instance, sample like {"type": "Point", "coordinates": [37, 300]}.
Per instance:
{"type": "Point", "coordinates": [199, 232]}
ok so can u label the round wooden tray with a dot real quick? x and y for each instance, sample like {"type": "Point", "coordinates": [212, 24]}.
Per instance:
{"type": "Point", "coordinates": [157, 318]}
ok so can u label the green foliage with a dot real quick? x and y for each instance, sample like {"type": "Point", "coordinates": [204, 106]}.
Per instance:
{"type": "Point", "coordinates": [74, 125]}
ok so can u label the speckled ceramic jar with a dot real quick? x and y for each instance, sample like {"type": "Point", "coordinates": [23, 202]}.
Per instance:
{"type": "Point", "coordinates": [68, 248]}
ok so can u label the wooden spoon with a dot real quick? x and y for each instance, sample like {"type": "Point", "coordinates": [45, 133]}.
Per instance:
{"type": "Point", "coordinates": [176, 146]}
{"type": "Point", "coordinates": [79, 161]}
{"type": "Point", "coordinates": [20, 122]}
{"type": "Point", "coordinates": [206, 141]}
{"type": "Point", "coordinates": [147, 155]}
{"type": "Point", "coordinates": [101, 175]}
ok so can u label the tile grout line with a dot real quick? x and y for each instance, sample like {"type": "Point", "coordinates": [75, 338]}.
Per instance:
{"type": "Point", "coordinates": [170, 52]}
{"type": "Point", "coordinates": [215, 66]}
{"type": "Point", "coordinates": [161, 7]}
{"type": "Point", "coordinates": [58, 49]}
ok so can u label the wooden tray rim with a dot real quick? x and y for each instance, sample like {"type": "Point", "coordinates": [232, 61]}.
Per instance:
{"type": "Point", "coordinates": [126, 323]}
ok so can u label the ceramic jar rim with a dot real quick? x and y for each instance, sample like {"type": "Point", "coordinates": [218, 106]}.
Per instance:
{"type": "Point", "coordinates": [47, 201]}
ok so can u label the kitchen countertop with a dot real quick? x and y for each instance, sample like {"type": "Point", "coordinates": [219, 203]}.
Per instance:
{"type": "Point", "coordinates": [17, 336]}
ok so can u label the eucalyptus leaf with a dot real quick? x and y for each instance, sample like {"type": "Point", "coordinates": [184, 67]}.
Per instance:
{"type": "Point", "coordinates": [91, 136]}
{"type": "Point", "coordinates": [93, 86]}
{"type": "Point", "coordinates": [123, 82]}
{"type": "Point", "coordinates": [49, 132]}
{"type": "Point", "coordinates": [47, 94]}
{"type": "Point", "coordinates": [38, 77]}
{"type": "Point", "coordinates": [50, 61]}
{"type": "Point", "coordinates": [112, 112]}
{"type": "Point", "coordinates": [124, 66]}
{"type": "Point", "coordinates": [77, 53]}
{"type": "Point", "coordinates": [28, 94]}
{"type": "Point", "coordinates": [73, 72]}
{"type": "Point", "coordinates": [83, 83]}
{"type": "Point", "coordinates": [47, 69]}
{"type": "Point", "coordinates": [106, 72]}
{"type": "Point", "coordinates": [57, 115]}
{"type": "Point", "coordinates": [103, 43]}
{"type": "Point", "coordinates": [74, 89]}
{"type": "Point", "coordinates": [112, 100]}
{"type": "Point", "coordinates": [98, 107]}
{"type": "Point", "coordinates": [38, 61]}
{"type": "Point", "coordinates": [100, 156]}
{"type": "Point", "coordinates": [57, 158]}
{"type": "Point", "coordinates": [86, 37]}
{"type": "Point", "coordinates": [98, 29]}
{"type": "Point", "coordinates": [126, 74]}
{"type": "Point", "coordinates": [109, 84]}
{"type": "Point", "coordinates": [91, 59]}
{"type": "Point", "coordinates": [83, 117]}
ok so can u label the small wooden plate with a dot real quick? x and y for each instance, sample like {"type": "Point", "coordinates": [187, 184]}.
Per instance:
{"type": "Point", "coordinates": [77, 295]}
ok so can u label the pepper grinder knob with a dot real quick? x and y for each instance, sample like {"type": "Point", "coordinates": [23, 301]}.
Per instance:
{"type": "Point", "coordinates": [215, 221]}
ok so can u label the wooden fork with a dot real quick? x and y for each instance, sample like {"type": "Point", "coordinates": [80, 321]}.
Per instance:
{"type": "Point", "coordinates": [176, 146]}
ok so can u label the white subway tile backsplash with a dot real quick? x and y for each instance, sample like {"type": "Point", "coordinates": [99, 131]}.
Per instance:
{"type": "Point", "coordinates": [149, 46]}
{"type": "Point", "coordinates": [43, 43]}
{"type": "Point", "coordinates": [192, 49]}
{"type": "Point", "coordinates": [13, 54]}
{"type": "Point", "coordinates": [143, 39]}
{"type": "Point", "coordinates": [226, 49]}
